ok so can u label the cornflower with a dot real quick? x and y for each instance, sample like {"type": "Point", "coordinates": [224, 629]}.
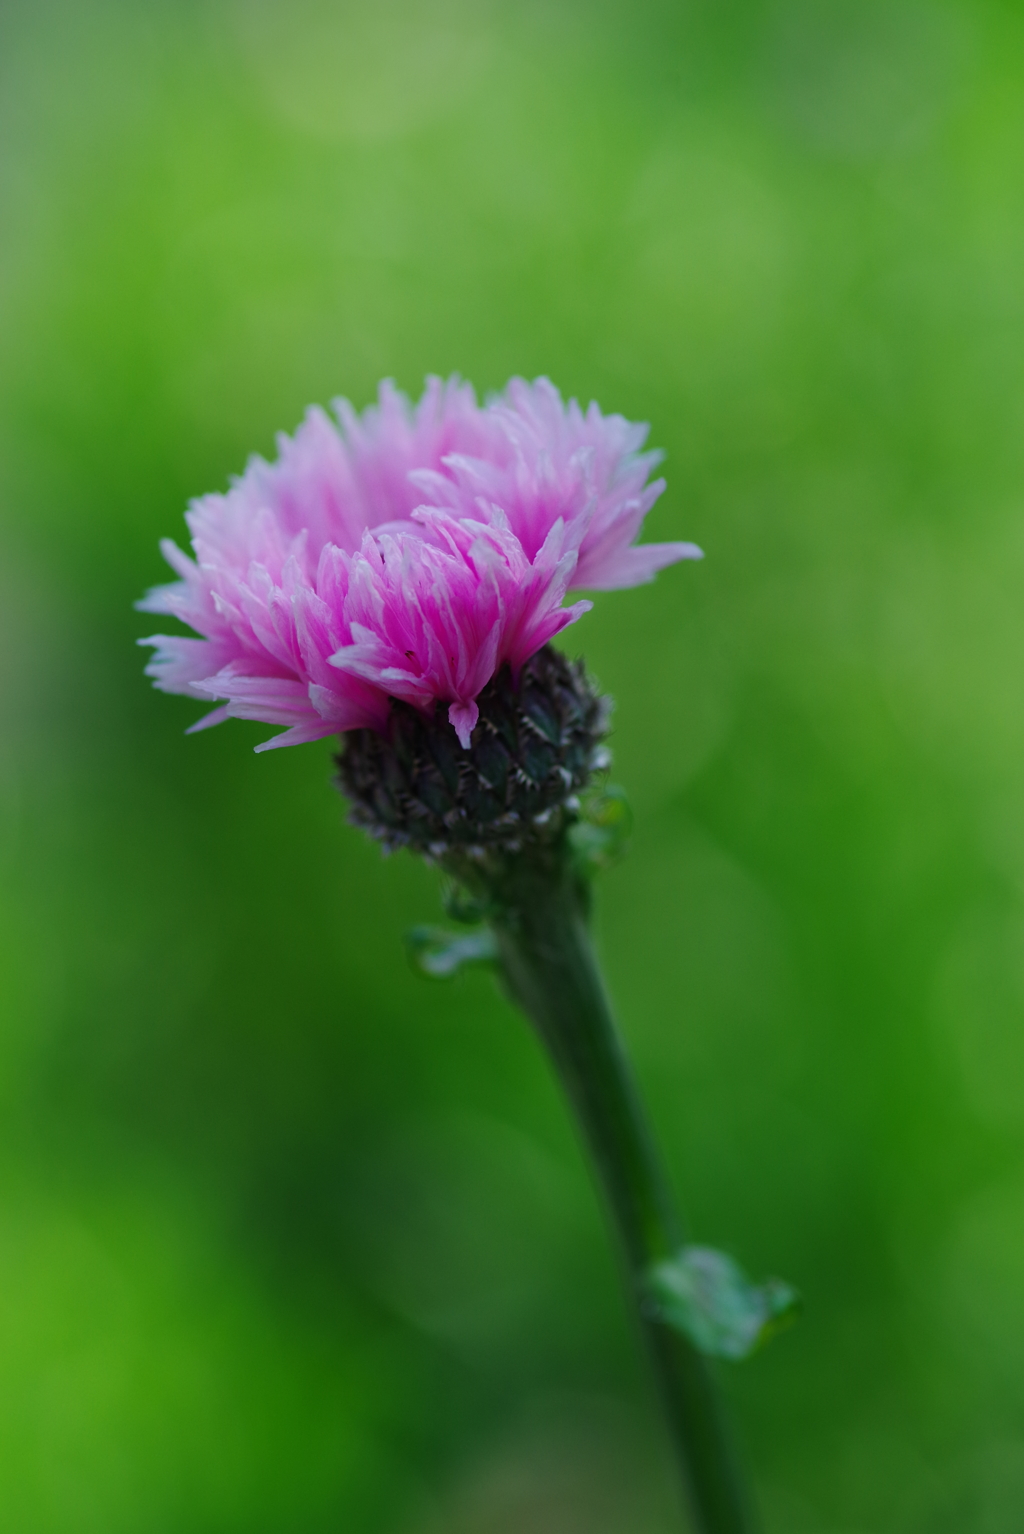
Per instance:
{"type": "Point", "coordinates": [396, 578]}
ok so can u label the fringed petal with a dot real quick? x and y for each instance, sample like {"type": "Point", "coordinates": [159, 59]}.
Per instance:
{"type": "Point", "coordinates": [323, 586]}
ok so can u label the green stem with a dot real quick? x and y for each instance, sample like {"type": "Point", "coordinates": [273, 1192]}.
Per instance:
{"type": "Point", "coordinates": [551, 971]}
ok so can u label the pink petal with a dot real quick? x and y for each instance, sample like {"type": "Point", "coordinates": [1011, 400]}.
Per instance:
{"type": "Point", "coordinates": [463, 717]}
{"type": "Point", "coordinates": [632, 567]}
{"type": "Point", "coordinates": [216, 716]}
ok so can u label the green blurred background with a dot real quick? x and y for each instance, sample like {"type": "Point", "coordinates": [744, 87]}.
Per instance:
{"type": "Point", "coordinates": [291, 1241]}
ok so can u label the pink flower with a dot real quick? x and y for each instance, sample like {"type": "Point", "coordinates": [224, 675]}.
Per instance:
{"type": "Point", "coordinates": [406, 553]}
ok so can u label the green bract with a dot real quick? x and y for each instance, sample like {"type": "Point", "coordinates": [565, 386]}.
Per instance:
{"type": "Point", "coordinates": [537, 742]}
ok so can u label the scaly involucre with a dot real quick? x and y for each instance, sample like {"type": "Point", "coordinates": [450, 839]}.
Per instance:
{"type": "Point", "coordinates": [409, 553]}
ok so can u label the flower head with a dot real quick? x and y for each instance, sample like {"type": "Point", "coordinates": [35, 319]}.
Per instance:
{"type": "Point", "coordinates": [408, 553]}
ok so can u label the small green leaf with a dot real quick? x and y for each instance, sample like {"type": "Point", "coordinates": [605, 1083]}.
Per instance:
{"type": "Point", "coordinates": [439, 954]}
{"type": "Point", "coordinates": [599, 837]}
{"type": "Point", "coordinates": [706, 1295]}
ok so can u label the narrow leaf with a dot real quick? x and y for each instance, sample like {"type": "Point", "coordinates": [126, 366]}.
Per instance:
{"type": "Point", "coordinates": [706, 1295]}
{"type": "Point", "coordinates": [439, 954]}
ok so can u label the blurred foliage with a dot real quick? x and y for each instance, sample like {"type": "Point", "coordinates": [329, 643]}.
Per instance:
{"type": "Point", "coordinates": [290, 1240]}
